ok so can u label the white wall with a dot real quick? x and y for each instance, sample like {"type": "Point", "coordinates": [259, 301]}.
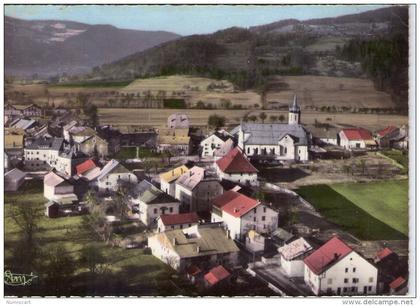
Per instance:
{"type": "Point", "coordinates": [293, 268]}
{"type": "Point", "coordinates": [110, 181]}
{"type": "Point", "coordinates": [242, 178]}
{"type": "Point", "coordinates": [207, 143]}
{"type": "Point", "coordinates": [335, 276]}
{"type": "Point", "coordinates": [162, 227]}
{"type": "Point", "coordinates": [149, 213]}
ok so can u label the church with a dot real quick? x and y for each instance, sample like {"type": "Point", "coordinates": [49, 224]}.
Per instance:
{"type": "Point", "coordinates": [275, 141]}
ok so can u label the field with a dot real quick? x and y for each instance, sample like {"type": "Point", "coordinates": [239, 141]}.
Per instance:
{"type": "Point", "coordinates": [370, 211]}
{"type": "Point", "coordinates": [198, 117]}
{"type": "Point", "coordinates": [130, 269]}
{"type": "Point", "coordinates": [398, 157]}
{"type": "Point", "coordinates": [326, 91]}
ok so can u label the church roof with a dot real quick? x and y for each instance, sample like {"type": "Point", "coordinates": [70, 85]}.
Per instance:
{"type": "Point", "coordinates": [294, 108]}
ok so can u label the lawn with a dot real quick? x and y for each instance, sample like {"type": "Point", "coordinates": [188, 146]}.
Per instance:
{"type": "Point", "coordinates": [131, 153]}
{"type": "Point", "coordinates": [132, 272]}
{"type": "Point", "coordinates": [370, 211]}
{"type": "Point", "coordinates": [398, 157]}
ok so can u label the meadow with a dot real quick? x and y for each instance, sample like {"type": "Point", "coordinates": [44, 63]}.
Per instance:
{"type": "Point", "coordinates": [370, 211]}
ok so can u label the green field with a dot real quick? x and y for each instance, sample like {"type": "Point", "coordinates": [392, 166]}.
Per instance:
{"type": "Point", "coordinates": [398, 157]}
{"type": "Point", "coordinates": [132, 271]}
{"type": "Point", "coordinates": [131, 153]}
{"type": "Point", "coordinates": [370, 211]}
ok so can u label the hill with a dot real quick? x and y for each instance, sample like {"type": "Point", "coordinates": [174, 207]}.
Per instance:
{"type": "Point", "coordinates": [249, 57]}
{"type": "Point", "coordinates": [50, 47]}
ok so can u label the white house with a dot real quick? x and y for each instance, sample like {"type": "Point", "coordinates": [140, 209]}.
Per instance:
{"type": "Point", "coordinates": [168, 179]}
{"type": "Point", "coordinates": [152, 203]}
{"type": "Point", "coordinates": [356, 138]}
{"type": "Point", "coordinates": [335, 269]}
{"type": "Point", "coordinates": [196, 189]}
{"type": "Point", "coordinates": [13, 179]}
{"type": "Point", "coordinates": [57, 188]}
{"type": "Point", "coordinates": [42, 153]}
{"type": "Point", "coordinates": [204, 246]}
{"type": "Point", "coordinates": [211, 144]}
{"type": "Point", "coordinates": [240, 214]}
{"type": "Point", "coordinates": [178, 121]}
{"type": "Point", "coordinates": [176, 221]}
{"type": "Point", "coordinates": [277, 141]}
{"type": "Point", "coordinates": [235, 167]}
{"type": "Point", "coordinates": [292, 255]}
{"type": "Point", "coordinates": [112, 175]}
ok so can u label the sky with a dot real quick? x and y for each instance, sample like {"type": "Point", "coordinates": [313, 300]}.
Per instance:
{"type": "Point", "coordinates": [181, 19]}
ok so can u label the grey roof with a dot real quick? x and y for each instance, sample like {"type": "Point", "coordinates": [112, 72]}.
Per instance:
{"type": "Point", "coordinates": [14, 175]}
{"type": "Point", "coordinates": [149, 194]}
{"type": "Point", "coordinates": [272, 133]}
{"type": "Point", "coordinates": [43, 143]}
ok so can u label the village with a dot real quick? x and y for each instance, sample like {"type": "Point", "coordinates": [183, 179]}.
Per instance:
{"type": "Point", "coordinates": [220, 206]}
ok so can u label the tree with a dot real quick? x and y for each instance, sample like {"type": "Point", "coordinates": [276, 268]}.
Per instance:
{"type": "Point", "coordinates": [273, 118]}
{"type": "Point", "coordinates": [58, 267]}
{"type": "Point", "coordinates": [252, 118]}
{"type": "Point", "coordinates": [92, 258]}
{"type": "Point", "coordinates": [282, 118]}
{"type": "Point", "coordinates": [216, 121]}
{"type": "Point", "coordinates": [263, 116]}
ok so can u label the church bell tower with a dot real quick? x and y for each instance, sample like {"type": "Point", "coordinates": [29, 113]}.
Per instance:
{"type": "Point", "coordinates": [294, 112]}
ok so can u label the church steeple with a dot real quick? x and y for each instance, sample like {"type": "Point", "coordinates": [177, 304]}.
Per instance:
{"type": "Point", "coordinates": [294, 112]}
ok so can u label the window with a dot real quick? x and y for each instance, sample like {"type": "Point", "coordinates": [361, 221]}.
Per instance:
{"type": "Point", "coordinates": [370, 288]}
{"type": "Point", "coordinates": [263, 218]}
{"type": "Point", "coordinates": [155, 211]}
{"type": "Point", "coordinates": [255, 210]}
{"type": "Point", "coordinates": [255, 219]}
{"type": "Point", "coordinates": [329, 281]}
{"type": "Point", "coordinates": [264, 209]}
{"type": "Point", "coordinates": [171, 209]}
{"type": "Point", "coordinates": [346, 280]}
{"type": "Point", "coordinates": [354, 269]}
{"type": "Point", "coordinates": [344, 289]}
{"type": "Point", "coordinates": [355, 280]}
{"type": "Point", "coordinates": [172, 227]}
{"type": "Point", "coordinates": [370, 279]}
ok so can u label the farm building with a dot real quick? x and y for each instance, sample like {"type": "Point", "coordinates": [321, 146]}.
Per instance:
{"type": "Point", "coordinates": [356, 138]}
{"type": "Point", "coordinates": [235, 167]}
{"type": "Point", "coordinates": [204, 246]}
{"type": "Point", "coordinates": [335, 269]}
{"type": "Point", "coordinates": [13, 179]}
{"type": "Point", "coordinates": [176, 221]}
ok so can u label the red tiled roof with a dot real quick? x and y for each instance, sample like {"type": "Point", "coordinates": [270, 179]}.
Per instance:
{"type": "Point", "coordinates": [225, 198]}
{"type": "Point", "coordinates": [240, 205]}
{"type": "Point", "coordinates": [85, 166]}
{"type": "Point", "coordinates": [179, 218]}
{"type": "Point", "coordinates": [396, 283]}
{"type": "Point", "coordinates": [216, 275]}
{"type": "Point", "coordinates": [329, 253]}
{"type": "Point", "coordinates": [357, 134]}
{"type": "Point", "coordinates": [384, 253]}
{"type": "Point", "coordinates": [386, 131]}
{"type": "Point", "coordinates": [235, 162]}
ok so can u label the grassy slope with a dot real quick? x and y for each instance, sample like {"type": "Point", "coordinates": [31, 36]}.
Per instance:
{"type": "Point", "coordinates": [387, 201]}
{"type": "Point", "coordinates": [379, 210]}
{"type": "Point", "coordinates": [142, 273]}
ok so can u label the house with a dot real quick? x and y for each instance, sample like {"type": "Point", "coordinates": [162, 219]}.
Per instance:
{"type": "Point", "coordinates": [176, 221]}
{"type": "Point", "coordinates": [255, 242]}
{"type": "Point", "coordinates": [88, 170]}
{"type": "Point", "coordinates": [214, 142]}
{"type": "Point", "coordinates": [168, 179]}
{"type": "Point", "coordinates": [79, 134]}
{"type": "Point", "coordinates": [401, 142]}
{"type": "Point", "coordinates": [13, 179]}
{"type": "Point", "coordinates": [152, 202]}
{"type": "Point", "coordinates": [42, 153]}
{"type": "Point", "coordinates": [59, 188]}
{"type": "Point", "coordinates": [356, 138]}
{"type": "Point", "coordinates": [268, 141]}
{"type": "Point", "coordinates": [218, 276]}
{"type": "Point", "coordinates": [67, 127]}
{"type": "Point", "coordinates": [112, 136]}
{"type": "Point", "coordinates": [196, 189]}
{"type": "Point", "coordinates": [385, 136]}
{"type": "Point", "coordinates": [23, 124]}
{"type": "Point", "coordinates": [204, 246]}
{"type": "Point", "coordinates": [13, 142]}
{"type": "Point", "coordinates": [178, 121]}
{"type": "Point", "coordinates": [325, 135]}
{"type": "Point", "coordinates": [335, 269]}
{"type": "Point", "coordinates": [32, 110]}
{"type": "Point", "coordinates": [112, 175]}
{"type": "Point", "coordinates": [398, 286]}
{"type": "Point", "coordinates": [236, 167]}
{"type": "Point", "coordinates": [240, 214]}
{"type": "Point", "coordinates": [390, 267]}
{"type": "Point", "coordinates": [174, 140]}
{"type": "Point", "coordinates": [133, 136]}
{"type": "Point", "coordinates": [224, 149]}
{"type": "Point", "coordinates": [292, 255]}
{"type": "Point", "coordinates": [94, 146]}
{"type": "Point", "coordinates": [194, 274]}
{"type": "Point", "coordinates": [67, 160]}
{"type": "Point", "coordinates": [10, 110]}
